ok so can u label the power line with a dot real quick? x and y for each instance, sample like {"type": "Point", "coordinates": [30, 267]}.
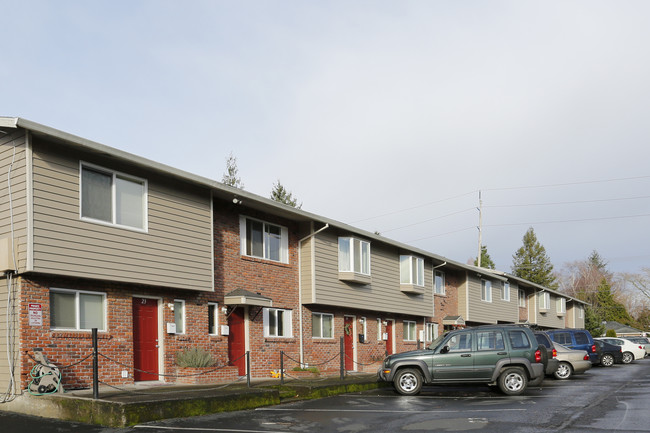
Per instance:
{"type": "Point", "coordinates": [429, 220]}
{"type": "Point", "coordinates": [414, 207]}
{"type": "Point", "coordinates": [567, 184]}
{"type": "Point", "coordinates": [570, 202]}
{"type": "Point", "coordinates": [569, 221]}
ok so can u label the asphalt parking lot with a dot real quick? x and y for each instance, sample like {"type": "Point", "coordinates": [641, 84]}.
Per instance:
{"type": "Point", "coordinates": [602, 400]}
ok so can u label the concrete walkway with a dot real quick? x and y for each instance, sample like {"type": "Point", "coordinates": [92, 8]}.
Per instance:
{"type": "Point", "coordinates": [149, 401]}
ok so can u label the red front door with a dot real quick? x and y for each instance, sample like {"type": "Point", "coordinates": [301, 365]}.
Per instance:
{"type": "Point", "coordinates": [348, 342]}
{"type": "Point", "coordinates": [237, 340]}
{"type": "Point", "coordinates": [145, 339]}
{"type": "Point", "coordinates": [389, 340]}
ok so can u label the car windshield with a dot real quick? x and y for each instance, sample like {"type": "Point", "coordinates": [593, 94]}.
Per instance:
{"type": "Point", "coordinates": [435, 343]}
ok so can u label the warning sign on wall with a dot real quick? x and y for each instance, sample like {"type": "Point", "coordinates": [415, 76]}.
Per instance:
{"type": "Point", "coordinates": [35, 315]}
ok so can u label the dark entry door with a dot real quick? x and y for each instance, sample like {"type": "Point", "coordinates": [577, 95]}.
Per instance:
{"type": "Point", "coordinates": [389, 340]}
{"type": "Point", "coordinates": [145, 339]}
{"type": "Point", "coordinates": [348, 342]}
{"type": "Point", "coordinates": [237, 340]}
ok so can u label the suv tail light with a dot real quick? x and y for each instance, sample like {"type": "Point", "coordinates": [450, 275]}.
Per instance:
{"type": "Point", "coordinates": [586, 358]}
{"type": "Point", "coordinates": [554, 353]}
{"type": "Point", "coordinates": [593, 348]}
{"type": "Point", "coordinates": [538, 356]}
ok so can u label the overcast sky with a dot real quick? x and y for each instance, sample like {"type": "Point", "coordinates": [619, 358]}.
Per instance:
{"type": "Point", "coordinates": [387, 115]}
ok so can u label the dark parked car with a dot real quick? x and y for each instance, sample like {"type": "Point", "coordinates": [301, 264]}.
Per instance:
{"type": "Point", "coordinates": [577, 339]}
{"type": "Point", "coordinates": [545, 340]}
{"type": "Point", "coordinates": [504, 355]}
{"type": "Point", "coordinates": [608, 354]}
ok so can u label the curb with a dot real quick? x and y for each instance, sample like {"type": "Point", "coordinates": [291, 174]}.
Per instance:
{"type": "Point", "coordinates": [202, 402]}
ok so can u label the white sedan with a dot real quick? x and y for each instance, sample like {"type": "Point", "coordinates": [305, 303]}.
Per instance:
{"type": "Point", "coordinates": [631, 351]}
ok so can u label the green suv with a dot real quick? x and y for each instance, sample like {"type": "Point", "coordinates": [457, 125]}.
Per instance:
{"type": "Point", "coordinates": [503, 355]}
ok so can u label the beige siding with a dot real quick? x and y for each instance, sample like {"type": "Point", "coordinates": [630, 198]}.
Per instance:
{"type": "Point", "coordinates": [498, 310]}
{"type": "Point", "coordinates": [176, 251]}
{"type": "Point", "coordinates": [18, 209]}
{"type": "Point", "coordinates": [382, 294]}
{"type": "Point", "coordinates": [4, 361]}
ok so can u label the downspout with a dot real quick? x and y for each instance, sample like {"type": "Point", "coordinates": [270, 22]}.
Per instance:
{"type": "Point", "coordinates": [300, 321]}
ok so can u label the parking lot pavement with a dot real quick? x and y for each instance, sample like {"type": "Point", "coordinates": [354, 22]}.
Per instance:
{"type": "Point", "coordinates": [602, 400]}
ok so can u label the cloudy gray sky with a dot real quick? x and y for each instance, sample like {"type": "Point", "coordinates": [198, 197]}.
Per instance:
{"type": "Point", "coordinates": [387, 115]}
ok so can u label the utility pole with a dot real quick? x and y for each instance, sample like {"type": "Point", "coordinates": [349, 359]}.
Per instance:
{"type": "Point", "coordinates": [480, 228]}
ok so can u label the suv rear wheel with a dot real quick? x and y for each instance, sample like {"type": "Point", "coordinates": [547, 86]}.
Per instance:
{"type": "Point", "coordinates": [513, 381]}
{"type": "Point", "coordinates": [408, 381]}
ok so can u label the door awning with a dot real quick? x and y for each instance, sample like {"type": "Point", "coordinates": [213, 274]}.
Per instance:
{"type": "Point", "coordinates": [244, 297]}
{"type": "Point", "coordinates": [454, 320]}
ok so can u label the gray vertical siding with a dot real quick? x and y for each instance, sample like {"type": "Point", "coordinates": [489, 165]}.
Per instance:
{"type": "Point", "coordinates": [175, 252]}
{"type": "Point", "coordinates": [307, 270]}
{"type": "Point", "coordinates": [382, 294]}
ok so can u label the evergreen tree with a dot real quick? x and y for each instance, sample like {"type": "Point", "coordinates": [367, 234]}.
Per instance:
{"type": "Point", "coordinates": [532, 263]}
{"type": "Point", "coordinates": [486, 260]}
{"type": "Point", "coordinates": [231, 176]}
{"type": "Point", "coordinates": [593, 322]}
{"type": "Point", "coordinates": [609, 309]}
{"type": "Point", "coordinates": [280, 194]}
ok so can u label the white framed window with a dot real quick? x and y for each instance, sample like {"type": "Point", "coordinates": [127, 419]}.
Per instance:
{"type": "Point", "coordinates": [277, 323]}
{"type": "Point", "coordinates": [581, 312]}
{"type": "Point", "coordinates": [77, 310]}
{"type": "Point", "coordinates": [431, 331]}
{"type": "Point", "coordinates": [380, 334]}
{"type": "Point", "coordinates": [114, 198]}
{"type": "Point", "coordinates": [439, 282]}
{"type": "Point", "coordinates": [486, 290]}
{"type": "Point", "coordinates": [560, 305]}
{"type": "Point", "coordinates": [322, 325]}
{"type": "Point", "coordinates": [264, 240]}
{"type": "Point", "coordinates": [364, 327]}
{"type": "Point", "coordinates": [354, 255]}
{"type": "Point", "coordinates": [409, 331]}
{"type": "Point", "coordinates": [545, 301]}
{"type": "Point", "coordinates": [213, 318]}
{"type": "Point", "coordinates": [522, 298]}
{"type": "Point", "coordinates": [411, 270]}
{"type": "Point", "coordinates": [505, 291]}
{"type": "Point", "coordinates": [179, 315]}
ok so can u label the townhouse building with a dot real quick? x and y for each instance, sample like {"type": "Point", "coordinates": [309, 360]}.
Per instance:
{"type": "Point", "coordinates": [160, 261]}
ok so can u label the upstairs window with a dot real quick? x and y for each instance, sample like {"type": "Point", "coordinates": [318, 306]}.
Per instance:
{"type": "Point", "coordinates": [505, 291]}
{"type": "Point", "coordinates": [522, 298]}
{"type": "Point", "coordinates": [439, 283]}
{"type": "Point", "coordinates": [561, 305]}
{"type": "Point", "coordinates": [113, 198]}
{"type": "Point", "coordinates": [264, 240]}
{"type": "Point", "coordinates": [486, 290]}
{"type": "Point", "coordinates": [411, 270]}
{"type": "Point", "coordinates": [544, 301]}
{"type": "Point", "coordinates": [354, 256]}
